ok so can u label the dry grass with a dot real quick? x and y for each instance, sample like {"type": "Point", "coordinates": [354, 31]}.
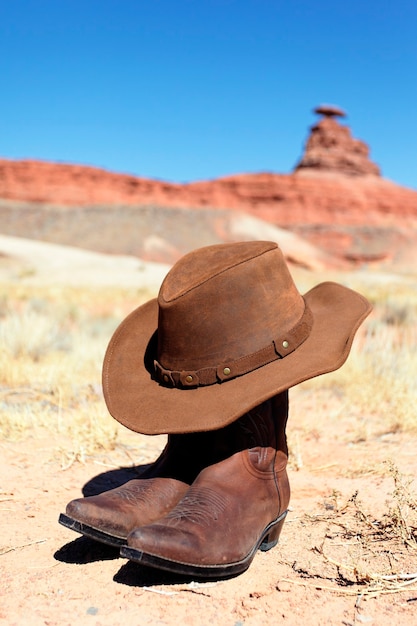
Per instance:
{"type": "Point", "coordinates": [379, 378]}
{"type": "Point", "coordinates": [52, 344]}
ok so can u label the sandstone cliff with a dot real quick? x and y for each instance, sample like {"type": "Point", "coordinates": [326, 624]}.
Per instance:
{"type": "Point", "coordinates": [277, 198]}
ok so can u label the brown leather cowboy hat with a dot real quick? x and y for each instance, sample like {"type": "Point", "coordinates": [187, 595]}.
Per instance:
{"type": "Point", "coordinates": [228, 330]}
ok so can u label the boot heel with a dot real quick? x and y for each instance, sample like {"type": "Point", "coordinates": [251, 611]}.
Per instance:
{"type": "Point", "coordinates": [271, 538]}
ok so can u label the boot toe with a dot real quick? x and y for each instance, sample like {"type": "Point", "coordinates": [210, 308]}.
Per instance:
{"type": "Point", "coordinates": [102, 518]}
{"type": "Point", "coordinates": [77, 509]}
{"type": "Point", "coordinates": [171, 544]}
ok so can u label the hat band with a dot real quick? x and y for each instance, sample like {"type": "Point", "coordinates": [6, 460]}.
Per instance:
{"type": "Point", "coordinates": [279, 348]}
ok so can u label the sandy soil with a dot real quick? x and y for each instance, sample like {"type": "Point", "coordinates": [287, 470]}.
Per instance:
{"type": "Point", "coordinates": [51, 576]}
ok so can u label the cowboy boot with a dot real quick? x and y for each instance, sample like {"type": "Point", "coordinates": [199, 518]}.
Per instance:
{"type": "Point", "coordinates": [110, 516]}
{"type": "Point", "coordinates": [233, 507]}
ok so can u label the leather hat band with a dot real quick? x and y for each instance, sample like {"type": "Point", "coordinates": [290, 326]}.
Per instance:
{"type": "Point", "coordinates": [279, 348]}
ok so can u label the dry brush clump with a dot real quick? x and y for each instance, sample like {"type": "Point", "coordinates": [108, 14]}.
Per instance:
{"type": "Point", "coordinates": [358, 551]}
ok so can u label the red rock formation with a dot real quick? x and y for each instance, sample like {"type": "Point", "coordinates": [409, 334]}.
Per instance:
{"type": "Point", "coordinates": [279, 199]}
{"type": "Point", "coordinates": [331, 148]}
{"type": "Point", "coordinates": [335, 199]}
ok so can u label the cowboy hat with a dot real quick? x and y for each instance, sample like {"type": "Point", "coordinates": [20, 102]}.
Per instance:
{"type": "Point", "coordinates": [228, 330]}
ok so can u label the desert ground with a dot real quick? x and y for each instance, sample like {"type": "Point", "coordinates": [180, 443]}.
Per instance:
{"type": "Point", "coordinates": [348, 550]}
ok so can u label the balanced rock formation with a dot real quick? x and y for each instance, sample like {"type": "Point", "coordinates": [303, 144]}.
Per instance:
{"type": "Point", "coordinates": [331, 148]}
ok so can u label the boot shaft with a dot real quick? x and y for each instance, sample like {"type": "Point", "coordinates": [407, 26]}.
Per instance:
{"type": "Point", "coordinates": [260, 432]}
{"type": "Point", "coordinates": [185, 455]}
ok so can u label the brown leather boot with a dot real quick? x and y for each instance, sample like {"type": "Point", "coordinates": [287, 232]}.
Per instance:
{"type": "Point", "coordinates": [233, 507]}
{"type": "Point", "coordinates": [110, 516]}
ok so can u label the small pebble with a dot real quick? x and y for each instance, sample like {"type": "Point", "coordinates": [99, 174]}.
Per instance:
{"type": "Point", "coordinates": [92, 610]}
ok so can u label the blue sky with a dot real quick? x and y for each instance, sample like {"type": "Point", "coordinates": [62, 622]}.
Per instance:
{"type": "Point", "coordinates": [191, 89]}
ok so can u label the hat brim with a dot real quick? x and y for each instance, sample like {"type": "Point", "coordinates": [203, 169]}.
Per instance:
{"type": "Point", "coordinates": [139, 402]}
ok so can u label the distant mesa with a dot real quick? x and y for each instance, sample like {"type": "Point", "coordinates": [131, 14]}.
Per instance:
{"type": "Point", "coordinates": [331, 148]}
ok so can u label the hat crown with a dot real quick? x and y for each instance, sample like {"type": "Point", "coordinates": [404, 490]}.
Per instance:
{"type": "Point", "coordinates": [223, 302]}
